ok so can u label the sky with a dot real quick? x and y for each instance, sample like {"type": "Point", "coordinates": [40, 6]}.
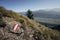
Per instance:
{"type": "Point", "coordinates": [24, 5]}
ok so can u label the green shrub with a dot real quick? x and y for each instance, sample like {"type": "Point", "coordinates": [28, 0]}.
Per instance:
{"type": "Point", "coordinates": [29, 14]}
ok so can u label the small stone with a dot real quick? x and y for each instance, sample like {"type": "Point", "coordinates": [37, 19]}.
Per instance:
{"type": "Point", "coordinates": [31, 35]}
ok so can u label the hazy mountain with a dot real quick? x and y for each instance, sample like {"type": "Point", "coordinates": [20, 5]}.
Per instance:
{"type": "Point", "coordinates": [51, 13]}
{"type": "Point", "coordinates": [56, 9]}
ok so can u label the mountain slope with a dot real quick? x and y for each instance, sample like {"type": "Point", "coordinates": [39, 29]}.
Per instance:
{"type": "Point", "coordinates": [47, 14]}
{"type": "Point", "coordinates": [32, 29]}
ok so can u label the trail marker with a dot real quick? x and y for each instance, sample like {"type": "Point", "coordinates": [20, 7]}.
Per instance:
{"type": "Point", "coordinates": [15, 27]}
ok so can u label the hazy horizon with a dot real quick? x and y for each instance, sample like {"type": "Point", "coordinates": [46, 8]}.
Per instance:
{"type": "Point", "coordinates": [24, 5]}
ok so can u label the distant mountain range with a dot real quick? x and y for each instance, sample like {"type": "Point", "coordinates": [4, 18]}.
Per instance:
{"type": "Point", "coordinates": [50, 13]}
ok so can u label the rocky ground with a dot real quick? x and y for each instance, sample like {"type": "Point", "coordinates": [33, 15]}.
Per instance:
{"type": "Point", "coordinates": [6, 34]}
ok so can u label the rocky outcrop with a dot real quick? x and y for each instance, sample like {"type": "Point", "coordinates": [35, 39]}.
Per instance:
{"type": "Point", "coordinates": [6, 34]}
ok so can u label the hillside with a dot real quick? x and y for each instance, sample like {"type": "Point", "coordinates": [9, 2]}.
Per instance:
{"type": "Point", "coordinates": [31, 29]}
